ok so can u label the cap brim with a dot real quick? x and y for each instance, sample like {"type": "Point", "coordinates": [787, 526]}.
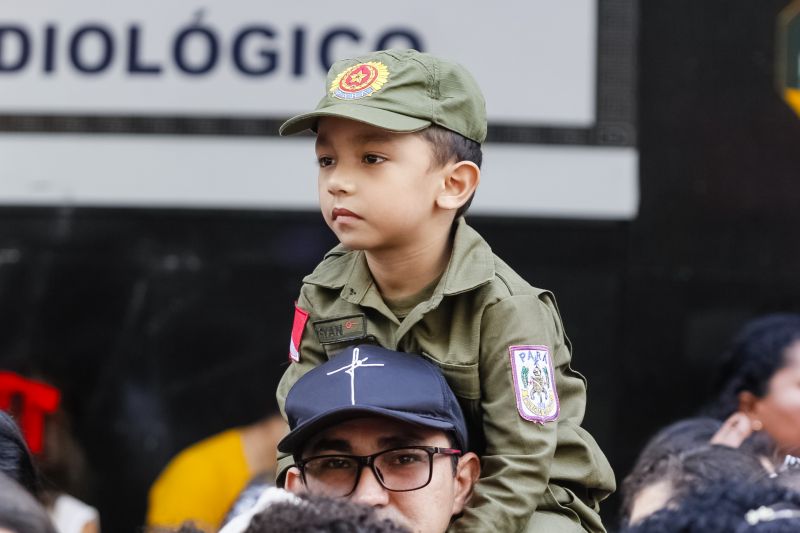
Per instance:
{"type": "Point", "coordinates": [381, 118]}
{"type": "Point", "coordinates": [297, 437]}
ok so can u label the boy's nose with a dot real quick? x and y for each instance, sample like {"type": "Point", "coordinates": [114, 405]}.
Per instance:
{"type": "Point", "coordinates": [369, 491]}
{"type": "Point", "coordinates": [339, 183]}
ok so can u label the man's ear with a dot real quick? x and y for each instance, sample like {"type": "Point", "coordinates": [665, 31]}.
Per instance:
{"type": "Point", "coordinates": [467, 473]}
{"type": "Point", "coordinates": [460, 181]}
{"type": "Point", "coordinates": [294, 481]}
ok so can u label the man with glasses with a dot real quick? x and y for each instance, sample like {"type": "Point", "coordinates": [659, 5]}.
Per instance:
{"type": "Point", "coordinates": [381, 428]}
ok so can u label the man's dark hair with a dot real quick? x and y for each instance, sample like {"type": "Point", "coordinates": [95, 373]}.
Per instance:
{"type": "Point", "coordinates": [450, 146]}
{"type": "Point", "coordinates": [451, 439]}
{"type": "Point", "coordinates": [318, 514]}
{"type": "Point", "coordinates": [755, 355]}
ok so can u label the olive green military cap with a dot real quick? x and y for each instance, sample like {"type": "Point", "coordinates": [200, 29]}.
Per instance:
{"type": "Point", "coordinates": [400, 90]}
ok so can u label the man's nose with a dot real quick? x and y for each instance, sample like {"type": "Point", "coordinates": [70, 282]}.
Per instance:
{"type": "Point", "coordinates": [369, 491]}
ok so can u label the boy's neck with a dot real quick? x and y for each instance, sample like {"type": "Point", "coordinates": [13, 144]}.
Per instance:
{"type": "Point", "coordinates": [403, 273]}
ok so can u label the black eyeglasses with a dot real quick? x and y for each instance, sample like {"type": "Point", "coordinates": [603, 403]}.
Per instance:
{"type": "Point", "coordinates": [397, 469]}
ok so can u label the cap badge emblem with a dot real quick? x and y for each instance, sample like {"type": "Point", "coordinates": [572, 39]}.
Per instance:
{"type": "Point", "coordinates": [360, 81]}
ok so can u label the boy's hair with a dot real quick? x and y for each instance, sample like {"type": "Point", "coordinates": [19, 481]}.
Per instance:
{"type": "Point", "coordinates": [449, 146]}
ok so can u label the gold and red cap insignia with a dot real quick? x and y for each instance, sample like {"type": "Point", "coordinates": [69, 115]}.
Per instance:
{"type": "Point", "coordinates": [360, 81]}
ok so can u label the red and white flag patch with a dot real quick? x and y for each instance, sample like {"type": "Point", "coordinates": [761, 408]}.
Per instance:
{"type": "Point", "coordinates": [299, 324]}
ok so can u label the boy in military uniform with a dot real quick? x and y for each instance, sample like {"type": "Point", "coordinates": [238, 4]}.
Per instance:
{"type": "Point", "coordinates": [398, 144]}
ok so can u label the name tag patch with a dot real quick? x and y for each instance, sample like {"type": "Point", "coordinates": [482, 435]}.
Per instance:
{"type": "Point", "coordinates": [340, 329]}
{"type": "Point", "coordinates": [534, 383]}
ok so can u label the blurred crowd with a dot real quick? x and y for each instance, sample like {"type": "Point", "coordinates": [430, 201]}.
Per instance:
{"type": "Point", "coordinates": [732, 467]}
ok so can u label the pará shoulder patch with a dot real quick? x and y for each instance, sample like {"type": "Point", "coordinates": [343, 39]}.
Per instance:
{"type": "Point", "coordinates": [534, 383]}
{"type": "Point", "coordinates": [298, 325]}
{"type": "Point", "coordinates": [340, 329]}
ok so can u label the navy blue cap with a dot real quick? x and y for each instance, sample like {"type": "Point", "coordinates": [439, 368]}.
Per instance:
{"type": "Point", "coordinates": [368, 380]}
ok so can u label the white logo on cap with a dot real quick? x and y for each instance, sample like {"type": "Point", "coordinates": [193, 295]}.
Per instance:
{"type": "Point", "coordinates": [351, 369]}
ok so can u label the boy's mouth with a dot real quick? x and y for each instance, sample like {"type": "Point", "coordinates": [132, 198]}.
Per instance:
{"type": "Point", "coordinates": [342, 212]}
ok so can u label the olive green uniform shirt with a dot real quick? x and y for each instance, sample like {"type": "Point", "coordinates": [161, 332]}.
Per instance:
{"type": "Point", "coordinates": [545, 477]}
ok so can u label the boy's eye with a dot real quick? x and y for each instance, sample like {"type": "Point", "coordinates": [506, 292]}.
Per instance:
{"type": "Point", "coordinates": [372, 159]}
{"type": "Point", "coordinates": [325, 161]}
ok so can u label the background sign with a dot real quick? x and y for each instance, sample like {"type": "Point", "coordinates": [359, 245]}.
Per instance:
{"type": "Point", "coordinates": [157, 77]}
{"type": "Point", "coordinates": [249, 58]}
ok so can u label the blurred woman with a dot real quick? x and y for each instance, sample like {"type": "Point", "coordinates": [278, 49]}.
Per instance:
{"type": "Point", "coordinates": [759, 384]}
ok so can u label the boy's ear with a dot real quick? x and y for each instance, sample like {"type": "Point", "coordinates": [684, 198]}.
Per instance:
{"type": "Point", "coordinates": [460, 181]}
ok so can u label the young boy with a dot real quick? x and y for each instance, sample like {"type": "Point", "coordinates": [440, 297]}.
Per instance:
{"type": "Point", "coordinates": [398, 143]}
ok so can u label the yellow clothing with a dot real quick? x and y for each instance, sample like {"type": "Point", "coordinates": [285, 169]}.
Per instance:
{"type": "Point", "coordinates": [200, 483]}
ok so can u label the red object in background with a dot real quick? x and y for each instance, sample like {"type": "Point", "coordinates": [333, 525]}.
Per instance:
{"type": "Point", "coordinates": [37, 400]}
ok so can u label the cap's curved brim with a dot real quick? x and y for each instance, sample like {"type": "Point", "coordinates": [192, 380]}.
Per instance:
{"type": "Point", "coordinates": [297, 437]}
{"type": "Point", "coordinates": [374, 116]}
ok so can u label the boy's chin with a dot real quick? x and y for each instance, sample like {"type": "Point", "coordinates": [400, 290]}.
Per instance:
{"type": "Point", "coordinates": [350, 243]}
{"type": "Point", "coordinates": [349, 240]}
{"type": "Point", "coordinates": [353, 247]}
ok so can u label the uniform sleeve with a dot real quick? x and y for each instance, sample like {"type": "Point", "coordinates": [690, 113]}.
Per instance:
{"type": "Point", "coordinates": [311, 355]}
{"type": "Point", "coordinates": [516, 463]}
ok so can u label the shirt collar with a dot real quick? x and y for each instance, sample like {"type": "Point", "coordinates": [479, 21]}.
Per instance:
{"type": "Point", "coordinates": [471, 265]}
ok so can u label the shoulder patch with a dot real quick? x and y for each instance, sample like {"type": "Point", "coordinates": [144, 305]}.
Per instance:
{"type": "Point", "coordinates": [534, 383]}
{"type": "Point", "coordinates": [299, 324]}
{"type": "Point", "coordinates": [340, 329]}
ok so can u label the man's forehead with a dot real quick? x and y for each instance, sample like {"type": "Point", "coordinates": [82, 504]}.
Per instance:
{"type": "Point", "coordinates": [373, 431]}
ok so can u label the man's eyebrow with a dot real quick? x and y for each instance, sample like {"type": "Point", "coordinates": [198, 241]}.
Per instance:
{"type": "Point", "coordinates": [396, 441]}
{"type": "Point", "coordinates": [332, 445]}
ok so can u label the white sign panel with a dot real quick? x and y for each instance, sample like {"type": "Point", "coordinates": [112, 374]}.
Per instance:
{"type": "Point", "coordinates": [267, 173]}
{"type": "Point", "coordinates": [534, 59]}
